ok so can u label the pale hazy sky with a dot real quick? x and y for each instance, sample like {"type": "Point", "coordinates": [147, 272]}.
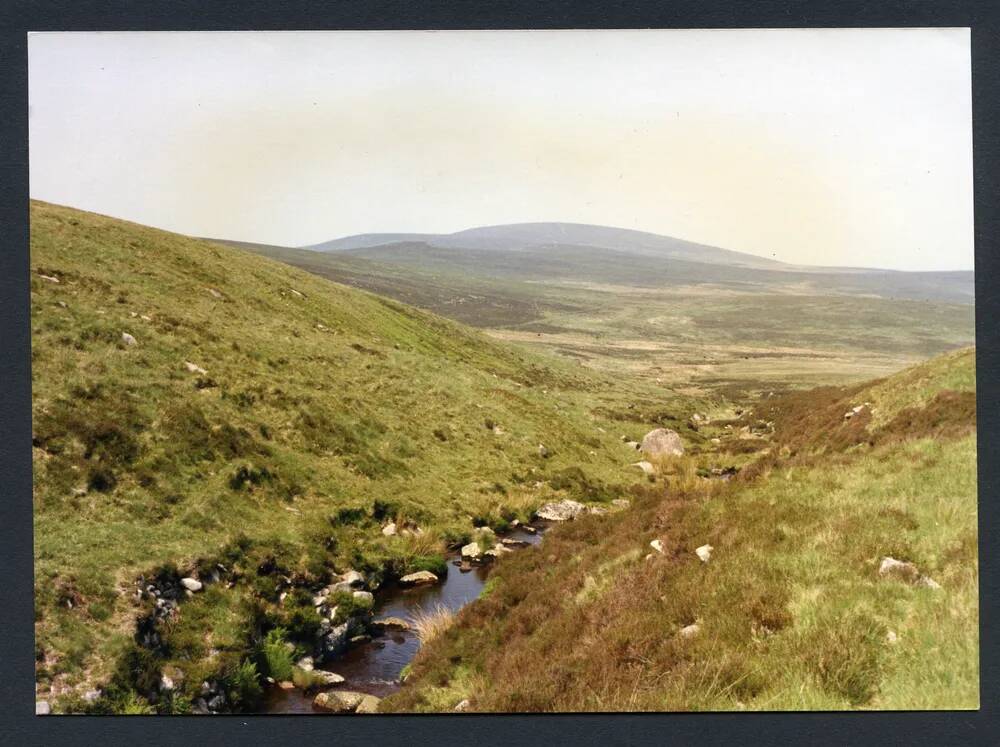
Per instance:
{"type": "Point", "coordinates": [811, 146]}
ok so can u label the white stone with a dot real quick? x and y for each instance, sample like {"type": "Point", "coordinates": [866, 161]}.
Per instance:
{"type": "Point", "coordinates": [128, 339]}
{"type": "Point", "coordinates": [191, 584]}
{"type": "Point", "coordinates": [645, 467]}
{"type": "Point", "coordinates": [689, 631]}
{"type": "Point", "coordinates": [704, 553]}
{"type": "Point", "coordinates": [194, 368]}
{"type": "Point", "coordinates": [389, 529]}
{"type": "Point", "coordinates": [463, 705]}
{"type": "Point", "coordinates": [657, 545]}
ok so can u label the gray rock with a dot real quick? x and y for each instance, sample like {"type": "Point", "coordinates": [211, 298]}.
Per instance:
{"type": "Point", "coordinates": [306, 664]}
{"type": "Point", "coordinates": [472, 551]}
{"type": "Point", "coordinates": [128, 339]}
{"type": "Point", "coordinates": [689, 631]}
{"type": "Point", "coordinates": [191, 584]}
{"type": "Point", "coordinates": [564, 510]}
{"type": "Point", "coordinates": [364, 597]}
{"type": "Point", "coordinates": [662, 442]}
{"type": "Point", "coordinates": [898, 569]}
{"type": "Point", "coordinates": [42, 708]}
{"type": "Point", "coordinates": [419, 577]}
{"type": "Point", "coordinates": [389, 529]}
{"type": "Point", "coordinates": [353, 578]}
{"type": "Point", "coordinates": [646, 467]}
{"type": "Point", "coordinates": [338, 701]}
{"type": "Point", "coordinates": [368, 704]}
{"type": "Point", "coordinates": [217, 703]}
{"type": "Point", "coordinates": [194, 368]}
{"type": "Point", "coordinates": [463, 705]}
{"type": "Point", "coordinates": [325, 678]}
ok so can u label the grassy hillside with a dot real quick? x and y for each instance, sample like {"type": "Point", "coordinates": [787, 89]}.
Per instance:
{"type": "Point", "coordinates": [711, 327]}
{"type": "Point", "coordinates": [196, 404]}
{"type": "Point", "coordinates": [791, 611]}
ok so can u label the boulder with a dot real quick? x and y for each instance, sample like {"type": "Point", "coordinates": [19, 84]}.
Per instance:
{"type": "Point", "coordinates": [689, 631]}
{"type": "Point", "coordinates": [306, 663]}
{"type": "Point", "coordinates": [662, 442]}
{"type": "Point", "coordinates": [191, 584]}
{"type": "Point", "coordinates": [323, 678]}
{"type": "Point", "coordinates": [899, 569]}
{"type": "Point", "coordinates": [338, 701]}
{"type": "Point", "coordinates": [353, 578]}
{"type": "Point", "coordinates": [420, 577]}
{"type": "Point", "coordinates": [368, 704]}
{"type": "Point", "coordinates": [645, 467]}
{"type": "Point", "coordinates": [389, 530]}
{"type": "Point", "coordinates": [471, 551]}
{"type": "Point", "coordinates": [704, 553]}
{"type": "Point", "coordinates": [335, 641]}
{"type": "Point", "coordinates": [364, 597]}
{"type": "Point", "coordinates": [128, 339]}
{"type": "Point", "coordinates": [564, 510]}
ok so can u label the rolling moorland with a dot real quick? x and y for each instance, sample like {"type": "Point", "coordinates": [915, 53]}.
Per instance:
{"type": "Point", "coordinates": [683, 316]}
{"type": "Point", "coordinates": [201, 412]}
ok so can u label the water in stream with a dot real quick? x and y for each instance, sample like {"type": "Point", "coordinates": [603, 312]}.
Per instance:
{"type": "Point", "coordinates": [374, 667]}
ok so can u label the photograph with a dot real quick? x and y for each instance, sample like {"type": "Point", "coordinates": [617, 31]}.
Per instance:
{"type": "Point", "coordinates": [503, 371]}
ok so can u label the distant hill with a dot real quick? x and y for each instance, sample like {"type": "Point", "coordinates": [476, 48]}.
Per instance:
{"type": "Point", "coordinates": [519, 236]}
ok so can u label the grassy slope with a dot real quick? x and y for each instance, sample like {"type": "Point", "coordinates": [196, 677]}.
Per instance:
{"type": "Point", "coordinates": [316, 398]}
{"type": "Point", "coordinates": [680, 322]}
{"type": "Point", "coordinates": [791, 610]}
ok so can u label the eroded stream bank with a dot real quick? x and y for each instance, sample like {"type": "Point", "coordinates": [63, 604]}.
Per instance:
{"type": "Point", "coordinates": [374, 667]}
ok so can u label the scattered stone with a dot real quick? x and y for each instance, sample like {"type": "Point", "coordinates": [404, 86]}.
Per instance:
{"type": "Point", "coordinates": [528, 528]}
{"type": "Point", "coordinates": [633, 445]}
{"type": "Point", "coordinates": [391, 623]}
{"type": "Point", "coordinates": [497, 550]}
{"type": "Point", "coordinates": [621, 503]}
{"type": "Point", "coordinates": [338, 701]}
{"type": "Point", "coordinates": [297, 293]}
{"type": "Point", "coordinates": [50, 278]}
{"type": "Point", "coordinates": [689, 631]}
{"type": "Point", "coordinates": [191, 584]}
{"type": "Point", "coordinates": [662, 441]}
{"type": "Point", "coordinates": [854, 411]}
{"type": "Point", "coordinates": [194, 368]}
{"type": "Point", "coordinates": [62, 304]}
{"type": "Point", "coordinates": [419, 577]}
{"type": "Point", "coordinates": [365, 597]}
{"type": "Point", "coordinates": [543, 452]}
{"type": "Point", "coordinates": [215, 293]}
{"type": "Point", "coordinates": [128, 339]}
{"type": "Point", "coordinates": [166, 683]}
{"type": "Point", "coordinates": [597, 510]}
{"type": "Point", "coordinates": [928, 583]}
{"type": "Point", "coordinates": [389, 529]}
{"type": "Point", "coordinates": [286, 685]}
{"type": "Point", "coordinates": [497, 430]}
{"type": "Point", "coordinates": [704, 553]}
{"type": "Point", "coordinates": [891, 638]}
{"type": "Point", "coordinates": [353, 578]}
{"type": "Point", "coordinates": [898, 569]}
{"type": "Point", "coordinates": [657, 545]}
{"type": "Point", "coordinates": [715, 440]}
{"type": "Point", "coordinates": [645, 467]}
{"type": "Point", "coordinates": [42, 708]}
{"type": "Point", "coordinates": [324, 678]}
{"type": "Point", "coordinates": [463, 705]}
{"type": "Point", "coordinates": [91, 696]}
{"type": "Point", "coordinates": [368, 704]}
{"type": "Point", "coordinates": [564, 510]}
{"type": "Point", "coordinates": [511, 542]}
{"type": "Point", "coordinates": [306, 663]}
{"type": "Point", "coordinates": [471, 551]}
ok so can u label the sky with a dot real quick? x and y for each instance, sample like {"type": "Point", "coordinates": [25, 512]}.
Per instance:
{"type": "Point", "coordinates": [832, 147]}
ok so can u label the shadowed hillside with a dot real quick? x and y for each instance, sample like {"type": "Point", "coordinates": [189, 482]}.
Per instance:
{"type": "Point", "coordinates": [193, 401]}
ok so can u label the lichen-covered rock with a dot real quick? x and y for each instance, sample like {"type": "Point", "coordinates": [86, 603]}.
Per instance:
{"type": "Point", "coordinates": [338, 701]}
{"type": "Point", "coordinates": [564, 510]}
{"type": "Point", "coordinates": [662, 442]}
{"type": "Point", "coordinates": [417, 578]}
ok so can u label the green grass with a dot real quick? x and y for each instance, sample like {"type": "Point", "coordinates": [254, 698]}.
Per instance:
{"type": "Point", "coordinates": [791, 611]}
{"type": "Point", "coordinates": [324, 411]}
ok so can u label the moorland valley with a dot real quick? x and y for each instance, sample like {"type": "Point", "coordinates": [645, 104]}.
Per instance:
{"type": "Point", "coordinates": [540, 467]}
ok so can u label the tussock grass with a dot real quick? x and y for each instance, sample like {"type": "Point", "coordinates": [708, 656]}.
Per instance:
{"type": "Point", "coordinates": [429, 624]}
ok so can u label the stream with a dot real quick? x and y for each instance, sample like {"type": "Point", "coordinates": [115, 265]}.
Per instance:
{"type": "Point", "coordinates": [374, 667]}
